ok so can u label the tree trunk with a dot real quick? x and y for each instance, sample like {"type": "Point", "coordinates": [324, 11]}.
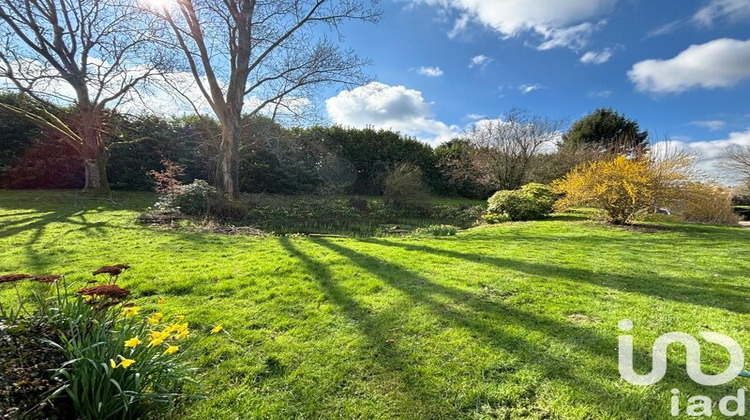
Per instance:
{"type": "Point", "coordinates": [95, 173]}
{"type": "Point", "coordinates": [227, 171]}
{"type": "Point", "coordinates": [90, 124]}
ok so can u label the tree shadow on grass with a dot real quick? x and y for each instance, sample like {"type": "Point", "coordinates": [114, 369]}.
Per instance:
{"type": "Point", "coordinates": [371, 327]}
{"type": "Point", "coordinates": [490, 321]}
{"type": "Point", "coordinates": [731, 297]}
{"type": "Point", "coordinates": [33, 216]}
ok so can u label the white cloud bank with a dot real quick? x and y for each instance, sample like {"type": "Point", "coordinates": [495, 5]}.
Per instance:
{"type": "Point", "coordinates": [720, 63]}
{"type": "Point", "coordinates": [559, 23]}
{"type": "Point", "coordinates": [709, 151]}
{"type": "Point", "coordinates": [388, 107]}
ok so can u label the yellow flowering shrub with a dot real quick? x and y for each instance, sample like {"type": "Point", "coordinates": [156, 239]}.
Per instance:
{"type": "Point", "coordinates": [623, 187]}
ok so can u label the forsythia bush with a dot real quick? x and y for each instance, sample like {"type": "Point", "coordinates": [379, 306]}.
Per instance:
{"type": "Point", "coordinates": [533, 201]}
{"type": "Point", "coordinates": [623, 187]}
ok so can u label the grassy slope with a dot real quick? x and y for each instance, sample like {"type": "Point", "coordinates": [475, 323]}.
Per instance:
{"type": "Point", "coordinates": [515, 320]}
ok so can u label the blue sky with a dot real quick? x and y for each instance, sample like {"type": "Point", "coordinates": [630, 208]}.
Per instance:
{"type": "Point", "coordinates": [534, 51]}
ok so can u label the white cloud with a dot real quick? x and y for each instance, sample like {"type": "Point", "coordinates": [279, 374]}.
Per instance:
{"type": "Point", "coordinates": [480, 61]}
{"type": "Point", "coordinates": [665, 29]}
{"type": "Point", "coordinates": [430, 71]}
{"type": "Point", "coordinates": [709, 151]}
{"type": "Point", "coordinates": [475, 116]}
{"type": "Point", "coordinates": [720, 63]}
{"type": "Point", "coordinates": [712, 125]}
{"type": "Point", "coordinates": [528, 88]}
{"type": "Point", "coordinates": [575, 37]}
{"type": "Point", "coordinates": [597, 57]}
{"type": "Point", "coordinates": [388, 107]}
{"type": "Point", "coordinates": [720, 9]}
{"type": "Point", "coordinates": [459, 26]}
{"type": "Point", "coordinates": [559, 23]}
{"type": "Point", "coordinates": [600, 94]}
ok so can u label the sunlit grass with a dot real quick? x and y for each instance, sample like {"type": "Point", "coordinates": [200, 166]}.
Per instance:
{"type": "Point", "coordinates": [511, 321]}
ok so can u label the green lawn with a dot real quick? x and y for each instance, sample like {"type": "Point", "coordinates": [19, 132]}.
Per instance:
{"type": "Point", "coordinates": [512, 321]}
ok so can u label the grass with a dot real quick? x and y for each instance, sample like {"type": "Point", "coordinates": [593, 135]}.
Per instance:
{"type": "Point", "coordinates": [517, 320]}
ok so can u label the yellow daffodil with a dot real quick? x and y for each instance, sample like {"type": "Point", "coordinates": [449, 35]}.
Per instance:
{"type": "Point", "coordinates": [155, 335]}
{"type": "Point", "coordinates": [132, 342]}
{"type": "Point", "coordinates": [131, 311]}
{"type": "Point", "coordinates": [216, 329]}
{"type": "Point", "coordinates": [125, 363]}
{"type": "Point", "coordinates": [160, 301]}
{"type": "Point", "coordinates": [171, 349]}
{"type": "Point", "coordinates": [155, 318]}
{"type": "Point", "coordinates": [87, 297]}
{"type": "Point", "coordinates": [155, 342]}
{"type": "Point", "coordinates": [177, 328]}
{"type": "Point", "coordinates": [182, 334]}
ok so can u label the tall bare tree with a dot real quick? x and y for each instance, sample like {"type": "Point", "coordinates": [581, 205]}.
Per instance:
{"type": "Point", "coordinates": [505, 147]}
{"type": "Point", "coordinates": [736, 159]}
{"type": "Point", "coordinates": [267, 54]}
{"type": "Point", "coordinates": [89, 55]}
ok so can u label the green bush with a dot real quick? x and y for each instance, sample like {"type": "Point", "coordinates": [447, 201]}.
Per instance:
{"type": "Point", "coordinates": [436, 230]}
{"type": "Point", "coordinates": [533, 201]}
{"type": "Point", "coordinates": [195, 199]}
{"type": "Point", "coordinates": [229, 210]}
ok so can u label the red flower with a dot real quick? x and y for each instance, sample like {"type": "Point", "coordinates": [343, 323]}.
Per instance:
{"type": "Point", "coordinates": [9, 278]}
{"type": "Point", "coordinates": [112, 270]}
{"type": "Point", "coordinates": [48, 279]}
{"type": "Point", "coordinates": [111, 291]}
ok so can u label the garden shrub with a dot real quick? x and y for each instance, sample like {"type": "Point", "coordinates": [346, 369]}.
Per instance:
{"type": "Point", "coordinates": [436, 230]}
{"type": "Point", "coordinates": [404, 189]}
{"type": "Point", "coordinates": [623, 187]}
{"type": "Point", "coordinates": [229, 210]}
{"type": "Point", "coordinates": [112, 362]}
{"type": "Point", "coordinates": [195, 199]}
{"type": "Point", "coordinates": [531, 202]}
{"type": "Point", "coordinates": [706, 203]}
{"type": "Point", "coordinates": [167, 181]}
{"type": "Point", "coordinates": [493, 218]}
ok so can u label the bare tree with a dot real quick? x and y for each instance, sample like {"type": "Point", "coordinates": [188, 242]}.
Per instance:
{"type": "Point", "coordinates": [736, 159]}
{"type": "Point", "coordinates": [88, 54]}
{"type": "Point", "coordinates": [505, 147]}
{"type": "Point", "coordinates": [267, 54]}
